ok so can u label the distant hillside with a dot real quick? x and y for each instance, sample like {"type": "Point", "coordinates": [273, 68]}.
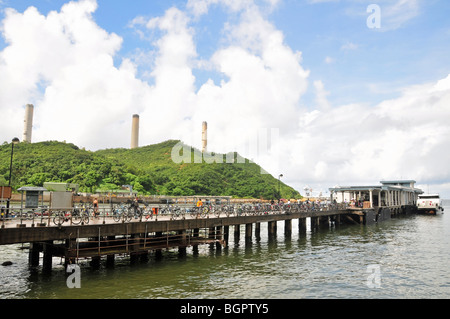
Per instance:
{"type": "Point", "coordinates": [149, 169]}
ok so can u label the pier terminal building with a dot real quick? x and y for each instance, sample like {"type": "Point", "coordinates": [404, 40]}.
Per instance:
{"type": "Point", "coordinates": [388, 194]}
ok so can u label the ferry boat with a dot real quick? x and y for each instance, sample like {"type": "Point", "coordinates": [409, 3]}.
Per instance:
{"type": "Point", "coordinates": [429, 204]}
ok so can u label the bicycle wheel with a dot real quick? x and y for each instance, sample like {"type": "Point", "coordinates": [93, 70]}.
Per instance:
{"type": "Point", "coordinates": [76, 217]}
{"type": "Point", "coordinates": [193, 211]}
{"type": "Point", "coordinates": [127, 215]}
{"type": "Point", "coordinates": [58, 219]}
{"type": "Point", "coordinates": [85, 219]}
{"type": "Point", "coordinates": [204, 211]}
{"type": "Point", "coordinates": [116, 215]}
{"type": "Point", "coordinates": [176, 212]}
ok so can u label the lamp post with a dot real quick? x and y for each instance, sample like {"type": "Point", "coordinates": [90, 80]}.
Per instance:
{"type": "Point", "coordinates": [14, 142]}
{"type": "Point", "coordinates": [279, 185]}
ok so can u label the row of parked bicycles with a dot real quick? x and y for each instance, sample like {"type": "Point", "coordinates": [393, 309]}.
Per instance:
{"type": "Point", "coordinates": [126, 212]}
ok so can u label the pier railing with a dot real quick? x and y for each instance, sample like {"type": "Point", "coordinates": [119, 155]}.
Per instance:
{"type": "Point", "coordinates": [85, 214]}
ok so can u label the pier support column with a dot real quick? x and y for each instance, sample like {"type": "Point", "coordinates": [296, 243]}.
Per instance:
{"type": "Point", "coordinates": [110, 260]}
{"type": "Point", "coordinates": [248, 232]}
{"type": "Point", "coordinates": [183, 243]}
{"type": "Point", "coordinates": [159, 239]}
{"type": "Point", "coordinates": [48, 256]}
{"type": "Point", "coordinates": [95, 262]}
{"type": "Point", "coordinates": [337, 220]}
{"type": "Point", "coordinates": [272, 229]}
{"type": "Point", "coordinates": [226, 234]}
{"type": "Point", "coordinates": [33, 255]}
{"type": "Point", "coordinates": [324, 222]}
{"type": "Point", "coordinates": [195, 235]}
{"type": "Point", "coordinates": [212, 235]}
{"type": "Point", "coordinates": [302, 225]}
{"type": "Point", "coordinates": [258, 230]}
{"type": "Point", "coordinates": [312, 223]}
{"type": "Point", "coordinates": [288, 227]}
{"type": "Point", "coordinates": [70, 246]}
{"type": "Point", "coordinates": [237, 233]}
{"type": "Point", "coordinates": [315, 222]}
{"type": "Point", "coordinates": [218, 237]}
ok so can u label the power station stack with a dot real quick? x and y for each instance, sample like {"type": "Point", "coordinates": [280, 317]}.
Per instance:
{"type": "Point", "coordinates": [28, 123]}
{"type": "Point", "coordinates": [204, 137]}
{"type": "Point", "coordinates": [135, 132]}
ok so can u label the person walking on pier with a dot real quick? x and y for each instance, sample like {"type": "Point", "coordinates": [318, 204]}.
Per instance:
{"type": "Point", "coordinates": [95, 202]}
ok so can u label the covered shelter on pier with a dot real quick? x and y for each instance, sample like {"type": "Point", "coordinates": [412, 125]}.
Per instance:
{"type": "Point", "coordinates": [32, 195]}
{"type": "Point", "coordinates": [388, 194]}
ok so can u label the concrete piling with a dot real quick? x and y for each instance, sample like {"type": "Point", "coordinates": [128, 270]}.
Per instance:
{"type": "Point", "coordinates": [302, 225]}
{"type": "Point", "coordinates": [248, 232]}
{"type": "Point", "coordinates": [33, 254]}
{"type": "Point", "coordinates": [237, 233]}
{"type": "Point", "coordinates": [272, 229]}
{"type": "Point", "coordinates": [288, 227]}
{"type": "Point", "coordinates": [48, 256]}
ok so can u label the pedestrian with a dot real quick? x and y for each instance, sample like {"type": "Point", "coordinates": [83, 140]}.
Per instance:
{"type": "Point", "coordinates": [95, 202]}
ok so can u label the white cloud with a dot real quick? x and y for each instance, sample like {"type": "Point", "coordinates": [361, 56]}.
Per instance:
{"type": "Point", "coordinates": [329, 60]}
{"type": "Point", "coordinates": [349, 46]}
{"type": "Point", "coordinates": [395, 15]}
{"type": "Point", "coordinates": [406, 137]}
{"type": "Point", "coordinates": [261, 87]}
{"type": "Point", "coordinates": [321, 96]}
{"type": "Point", "coordinates": [64, 64]}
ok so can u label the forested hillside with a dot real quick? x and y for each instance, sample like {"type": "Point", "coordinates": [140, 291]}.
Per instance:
{"type": "Point", "coordinates": [149, 169]}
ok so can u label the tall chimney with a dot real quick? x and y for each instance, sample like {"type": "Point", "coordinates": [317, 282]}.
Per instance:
{"type": "Point", "coordinates": [135, 132]}
{"type": "Point", "coordinates": [28, 123]}
{"type": "Point", "coordinates": [204, 137]}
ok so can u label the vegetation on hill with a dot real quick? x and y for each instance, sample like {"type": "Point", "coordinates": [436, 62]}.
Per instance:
{"type": "Point", "coordinates": [149, 169]}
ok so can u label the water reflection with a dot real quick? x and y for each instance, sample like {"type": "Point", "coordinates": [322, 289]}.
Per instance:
{"type": "Point", "coordinates": [412, 254]}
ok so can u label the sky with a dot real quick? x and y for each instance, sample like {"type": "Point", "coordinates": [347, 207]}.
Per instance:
{"type": "Point", "coordinates": [324, 92]}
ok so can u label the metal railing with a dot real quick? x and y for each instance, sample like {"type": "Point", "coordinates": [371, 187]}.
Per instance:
{"type": "Point", "coordinates": [85, 213]}
{"type": "Point", "coordinates": [127, 244]}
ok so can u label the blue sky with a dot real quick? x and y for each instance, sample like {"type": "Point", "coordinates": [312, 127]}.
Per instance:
{"type": "Point", "coordinates": [356, 64]}
{"type": "Point", "coordinates": [347, 99]}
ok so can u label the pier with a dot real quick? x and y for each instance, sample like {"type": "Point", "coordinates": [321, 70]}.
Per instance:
{"type": "Point", "coordinates": [104, 237]}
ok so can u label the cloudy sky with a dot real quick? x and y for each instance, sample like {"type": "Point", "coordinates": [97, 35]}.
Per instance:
{"type": "Point", "coordinates": [344, 94]}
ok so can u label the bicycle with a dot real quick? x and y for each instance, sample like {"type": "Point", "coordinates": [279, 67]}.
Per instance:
{"type": "Point", "coordinates": [60, 218]}
{"type": "Point", "coordinates": [80, 215]}
{"type": "Point", "coordinates": [120, 212]}
{"type": "Point", "coordinates": [229, 210]}
{"type": "Point", "coordinates": [200, 211]}
{"type": "Point", "coordinates": [176, 212]}
{"type": "Point", "coordinates": [239, 210]}
{"type": "Point", "coordinates": [147, 212]}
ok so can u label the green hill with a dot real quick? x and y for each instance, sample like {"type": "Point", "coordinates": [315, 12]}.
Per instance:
{"type": "Point", "coordinates": [149, 169]}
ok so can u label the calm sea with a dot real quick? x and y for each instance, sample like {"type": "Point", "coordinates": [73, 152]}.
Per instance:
{"type": "Point", "coordinates": [407, 257]}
